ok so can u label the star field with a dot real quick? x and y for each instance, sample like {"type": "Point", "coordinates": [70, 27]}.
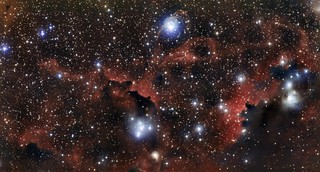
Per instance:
{"type": "Point", "coordinates": [108, 85]}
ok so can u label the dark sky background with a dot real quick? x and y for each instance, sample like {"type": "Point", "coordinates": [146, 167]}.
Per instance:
{"type": "Point", "coordinates": [97, 85]}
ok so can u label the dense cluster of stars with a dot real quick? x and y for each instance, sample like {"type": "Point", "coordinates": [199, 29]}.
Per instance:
{"type": "Point", "coordinates": [103, 85]}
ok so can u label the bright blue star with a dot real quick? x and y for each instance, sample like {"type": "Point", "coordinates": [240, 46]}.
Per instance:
{"type": "Point", "coordinates": [60, 75]}
{"type": "Point", "coordinates": [289, 85]}
{"type": "Point", "coordinates": [51, 27]}
{"type": "Point", "coordinates": [199, 128]}
{"type": "Point", "coordinates": [98, 64]}
{"type": "Point", "coordinates": [241, 78]}
{"type": "Point", "coordinates": [42, 33]}
{"type": "Point", "coordinates": [4, 48]}
{"type": "Point", "coordinates": [195, 103]}
{"type": "Point", "coordinates": [171, 24]}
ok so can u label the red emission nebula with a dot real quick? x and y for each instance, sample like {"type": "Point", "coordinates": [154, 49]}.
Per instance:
{"type": "Point", "coordinates": [104, 85]}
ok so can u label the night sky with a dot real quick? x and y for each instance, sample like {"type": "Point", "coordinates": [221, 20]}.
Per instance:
{"type": "Point", "coordinates": [150, 85]}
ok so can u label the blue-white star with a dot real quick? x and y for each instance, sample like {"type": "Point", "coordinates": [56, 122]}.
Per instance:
{"type": "Point", "coordinates": [241, 78]}
{"type": "Point", "coordinates": [171, 24]}
{"type": "Point", "coordinates": [4, 48]}
{"type": "Point", "coordinates": [60, 75]}
{"type": "Point", "coordinates": [199, 128]}
{"type": "Point", "coordinates": [42, 33]}
{"type": "Point", "coordinates": [98, 64]}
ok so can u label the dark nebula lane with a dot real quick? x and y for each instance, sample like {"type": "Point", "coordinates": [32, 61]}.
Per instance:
{"type": "Point", "coordinates": [108, 85]}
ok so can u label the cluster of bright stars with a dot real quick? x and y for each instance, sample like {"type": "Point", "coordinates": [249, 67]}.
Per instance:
{"type": "Point", "coordinates": [140, 127]}
{"type": "Point", "coordinates": [292, 98]}
{"type": "Point", "coordinates": [223, 107]}
{"type": "Point", "coordinates": [4, 47]}
{"type": "Point", "coordinates": [43, 32]}
{"type": "Point", "coordinates": [102, 160]}
{"type": "Point", "coordinates": [98, 66]}
{"type": "Point", "coordinates": [198, 131]}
